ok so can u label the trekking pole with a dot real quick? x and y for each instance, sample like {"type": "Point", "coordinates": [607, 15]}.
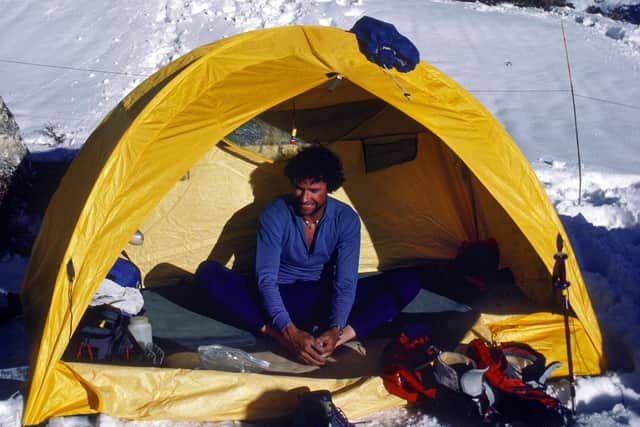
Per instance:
{"type": "Point", "coordinates": [559, 280]}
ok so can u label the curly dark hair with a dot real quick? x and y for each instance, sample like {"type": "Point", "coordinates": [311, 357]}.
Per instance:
{"type": "Point", "coordinates": [317, 163]}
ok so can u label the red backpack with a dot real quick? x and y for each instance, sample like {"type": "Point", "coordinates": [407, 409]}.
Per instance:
{"type": "Point", "coordinates": [404, 360]}
{"type": "Point", "coordinates": [413, 370]}
{"type": "Point", "coordinates": [505, 382]}
{"type": "Point", "coordinates": [519, 388]}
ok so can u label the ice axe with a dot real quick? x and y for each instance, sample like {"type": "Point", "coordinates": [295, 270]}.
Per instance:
{"type": "Point", "coordinates": [559, 281]}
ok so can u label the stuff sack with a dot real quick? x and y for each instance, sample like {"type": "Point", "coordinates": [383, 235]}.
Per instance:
{"type": "Point", "coordinates": [381, 43]}
{"type": "Point", "coordinates": [403, 362]}
{"type": "Point", "coordinates": [125, 273]}
{"type": "Point", "coordinates": [476, 267]}
{"type": "Point", "coordinates": [491, 384]}
{"type": "Point", "coordinates": [444, 384]}
{"type": "Point", "coordinates": [478, 258]}
{"type": "Point", "coordinates": [103, 336]}
{"type": "Point", "coordinates": [528, 364]}
{"type": "Point", "coordinates": [514, 397]}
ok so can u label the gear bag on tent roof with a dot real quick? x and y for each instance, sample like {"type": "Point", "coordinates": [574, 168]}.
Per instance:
{"type": "Point", "coordinates": [381, 43]}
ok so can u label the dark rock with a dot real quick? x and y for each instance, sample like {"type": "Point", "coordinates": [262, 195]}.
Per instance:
{"type": "Point", "coordinates": [540, 4]}
{"type": "Point", "coordinates": [15, 171]}
{"type": "Point", "coordinates": [27, 182]}
{"type": "Point", "coordinates": [12, 150]}
{"type": "Point", "coordinates": [627, 13]}
{"type": "Point", "coordinates": [594, 10]}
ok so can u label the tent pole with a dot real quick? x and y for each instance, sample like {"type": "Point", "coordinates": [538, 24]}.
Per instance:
{"type": "Point", "coordinates": [466, 175]}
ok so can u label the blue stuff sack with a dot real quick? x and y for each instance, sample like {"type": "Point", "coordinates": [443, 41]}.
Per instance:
{"type": "Point", "coordinates": [381, 43]}
{"type": "Point", "coordinates": [125, 273]}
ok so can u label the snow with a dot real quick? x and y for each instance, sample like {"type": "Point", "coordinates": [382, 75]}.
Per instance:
{"type": "Point", "coordinates": [65, 63]}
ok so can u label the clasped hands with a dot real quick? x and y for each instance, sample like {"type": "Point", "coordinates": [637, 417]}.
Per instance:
{"type": "Point", "coordinates": [309, 349]}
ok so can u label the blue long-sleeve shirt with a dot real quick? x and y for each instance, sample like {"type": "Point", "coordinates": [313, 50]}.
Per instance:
{"type": "Point", "coordinates": [282, 256]}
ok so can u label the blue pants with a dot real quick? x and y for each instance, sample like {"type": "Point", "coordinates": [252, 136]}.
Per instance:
{"type": "Point", "coordinates": [236, 300]}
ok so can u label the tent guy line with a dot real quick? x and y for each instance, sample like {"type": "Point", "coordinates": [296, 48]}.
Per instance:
{"type": "Point", "coordinates": [38, 116]}
{"type": "Point", "coordinates": [606, 101]}
{"type": "Point", "coordinates": [575, 123]}
{"type": "Point", "coordinates": [541, 91]}
{"type": "Point", "coordinates": [124, 73]}
{"type": "Point", "coordinates": [63, 67]}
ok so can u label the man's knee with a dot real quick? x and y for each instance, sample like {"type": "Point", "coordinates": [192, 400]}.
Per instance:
{"type": "Point", "coordinates": [207, 269]}
{"type": "Point", "coordinates": [214, 276]}
{"type": "Point", "coordinates": [406, 284]}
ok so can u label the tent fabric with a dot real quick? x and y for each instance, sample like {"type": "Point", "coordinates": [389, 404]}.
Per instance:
{"type": "Point", "coordinates": [435, 230]}
{"type": "Point", "coordinates": [218, 396]}
{"type": "Point", "coordinates": [163, 128]}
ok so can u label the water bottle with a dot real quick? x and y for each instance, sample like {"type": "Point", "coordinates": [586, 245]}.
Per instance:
{"type": "Point", "coordinates": [141, 330]}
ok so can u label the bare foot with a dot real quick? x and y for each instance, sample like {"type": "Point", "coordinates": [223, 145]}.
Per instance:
{"type": "Point", "coordinates": [348, 333]}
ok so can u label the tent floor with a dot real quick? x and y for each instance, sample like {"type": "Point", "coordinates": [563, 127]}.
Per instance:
{"type": "Point", "coordinates": [181, 324]}
{"type": "Point", "coordinates": [354, 359]}
{"type": "Point", "coordinates": [179, 332]}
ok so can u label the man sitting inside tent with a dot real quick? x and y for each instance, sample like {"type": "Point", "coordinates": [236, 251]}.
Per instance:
{"type": "Point", "coordinates": [308, 296]}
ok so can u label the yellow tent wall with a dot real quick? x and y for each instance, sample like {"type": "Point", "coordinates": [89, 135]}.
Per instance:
{"type": "Point", "coordinates": [156, 134]}
{"type": "Point", "coordinates": [213, 211]}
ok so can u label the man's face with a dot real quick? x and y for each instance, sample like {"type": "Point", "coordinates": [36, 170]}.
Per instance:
{"type": "Point", "coordinates": [310, 196]}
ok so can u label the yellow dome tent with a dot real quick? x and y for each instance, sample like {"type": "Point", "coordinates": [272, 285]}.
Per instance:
{"type": "Point", "coordinates": [425, 174]}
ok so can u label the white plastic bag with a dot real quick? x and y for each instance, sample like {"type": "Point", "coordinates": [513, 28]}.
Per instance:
{"type": "Point", "coordinates": [223, 358]}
